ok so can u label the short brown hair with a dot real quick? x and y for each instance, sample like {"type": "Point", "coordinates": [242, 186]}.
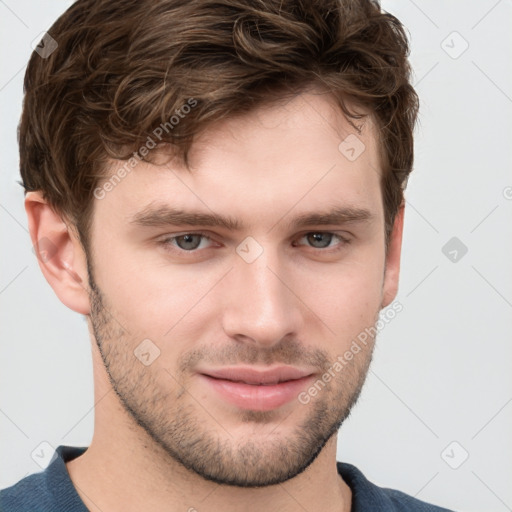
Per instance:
{"type": "Point", "coordinates": [122, 68]}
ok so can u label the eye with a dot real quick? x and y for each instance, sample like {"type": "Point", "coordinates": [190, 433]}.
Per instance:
{"type": "Point", "coordinates": [322, 240]}
{"type": "Point", "coordinates": [193, 242]}
{"type": "Point", "coordinates": [188, 242]}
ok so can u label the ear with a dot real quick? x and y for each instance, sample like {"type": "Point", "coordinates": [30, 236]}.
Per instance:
{"type": "Point", "coordinates": [59, 252]}
{"type": "Point", "coordinates": [392, 269]}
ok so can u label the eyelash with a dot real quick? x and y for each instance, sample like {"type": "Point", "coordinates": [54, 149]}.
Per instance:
{"type": "Point", "coordinates": [166, 242]}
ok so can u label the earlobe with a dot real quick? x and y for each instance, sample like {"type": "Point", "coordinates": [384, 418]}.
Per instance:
{"type": "Point", "coordinates": [392, 272]}
{"type": "Point", "coordinates": [59, 253]}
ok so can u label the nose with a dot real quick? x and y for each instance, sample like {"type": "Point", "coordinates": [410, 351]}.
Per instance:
{"type": "Point", "coordinates": [259, 305]}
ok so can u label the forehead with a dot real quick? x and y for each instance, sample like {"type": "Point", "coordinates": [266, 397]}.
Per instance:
{"type": "Point", "coordinates": [277, 160]}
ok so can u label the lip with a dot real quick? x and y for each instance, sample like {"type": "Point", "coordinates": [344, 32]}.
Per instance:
{"type": "Point", "coordinates": [257, 390]}
{"type": "Point", "coordinates": [250, 375]}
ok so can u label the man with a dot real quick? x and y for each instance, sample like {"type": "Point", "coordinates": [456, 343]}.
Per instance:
{"type": "Point", "coordinates": [218, 188]}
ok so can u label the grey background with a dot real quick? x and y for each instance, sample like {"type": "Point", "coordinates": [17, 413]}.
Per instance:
{"type": "Point", "coordinates": [441, 372]}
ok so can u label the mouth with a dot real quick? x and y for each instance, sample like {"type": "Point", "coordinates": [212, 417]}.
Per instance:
{"type": "Point", "coordinates": [258, 390]}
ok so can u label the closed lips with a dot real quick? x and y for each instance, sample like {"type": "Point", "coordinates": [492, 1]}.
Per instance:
{"type": "Point", "coordinates": [258, 378]}
{"type": "Point", "coordinates": [254, 383]}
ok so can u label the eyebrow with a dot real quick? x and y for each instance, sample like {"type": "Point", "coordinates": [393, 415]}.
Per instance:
{"type": "Point", "coordinates": [160, 216]}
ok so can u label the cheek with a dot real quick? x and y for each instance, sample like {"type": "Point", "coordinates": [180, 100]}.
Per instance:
{"type": "Point", "coordinates": [158, 300]}
{"type": "Point", "coordinates": [346, 297]}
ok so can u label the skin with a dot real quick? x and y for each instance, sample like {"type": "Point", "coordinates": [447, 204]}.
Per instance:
{"type": "Point", "coordinates": [163, 438]}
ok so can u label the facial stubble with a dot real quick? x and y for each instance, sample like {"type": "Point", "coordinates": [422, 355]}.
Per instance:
{"type": "Point", "coordinates": [189, 433]}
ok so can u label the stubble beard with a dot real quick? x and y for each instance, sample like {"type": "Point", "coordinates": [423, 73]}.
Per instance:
{"type": "Point", "coordinates": [184, 430]}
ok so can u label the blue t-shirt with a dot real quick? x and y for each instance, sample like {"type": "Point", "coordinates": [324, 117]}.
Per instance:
{"type": "Point", "coordinates": [52, 490]}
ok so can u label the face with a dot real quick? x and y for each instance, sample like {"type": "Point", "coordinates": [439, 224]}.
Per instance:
{"type": "Point", "coordinates": [221, 296]}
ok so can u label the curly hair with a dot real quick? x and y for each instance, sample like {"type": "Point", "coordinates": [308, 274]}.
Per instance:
{"type": "Point", "coordinates": [124, 68]}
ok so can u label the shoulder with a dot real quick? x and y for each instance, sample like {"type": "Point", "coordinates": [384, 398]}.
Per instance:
{"type": "Point", "coordinates": [50, 490]}
{"type": "Point", "coordinates": [404, 502]}
{"type": "Point", "coordinates": [27, 494]}
{"type": "Point", "coordinates": [368, 496]}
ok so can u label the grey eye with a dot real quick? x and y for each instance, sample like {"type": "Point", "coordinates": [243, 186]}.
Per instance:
{"type": "Point", "coordinates": [188, 242]}
{"type": "Point", "coordinates": [319, 240]}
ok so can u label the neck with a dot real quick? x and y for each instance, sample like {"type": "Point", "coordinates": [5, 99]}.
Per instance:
{"type": "Point", "coordinates": [110, 478]}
